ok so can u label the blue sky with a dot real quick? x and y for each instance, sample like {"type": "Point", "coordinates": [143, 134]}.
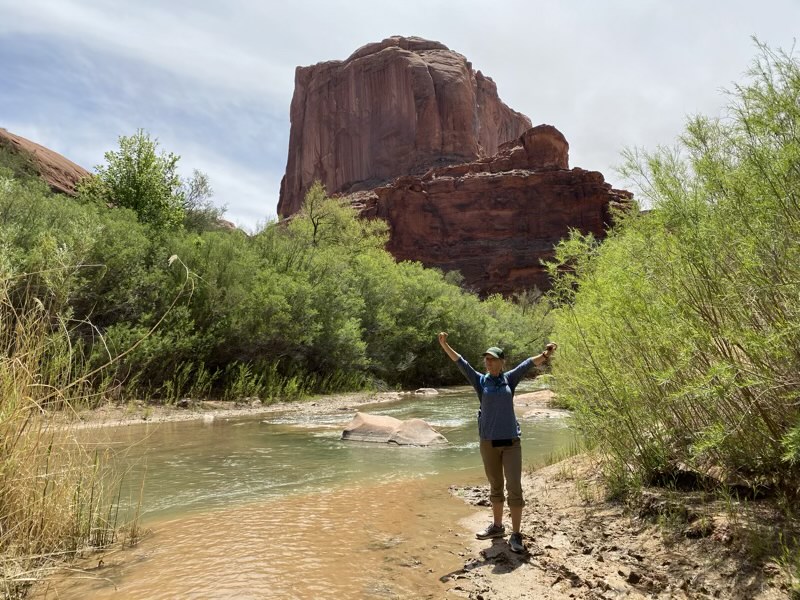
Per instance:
{"type": "Point", "coordinates": [213, 80]}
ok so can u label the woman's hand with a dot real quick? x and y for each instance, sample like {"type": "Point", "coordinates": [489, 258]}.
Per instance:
{"type": "Point", "coordinates": [544, 357]}
{"type": "Point", "coordinates": [446, 347]}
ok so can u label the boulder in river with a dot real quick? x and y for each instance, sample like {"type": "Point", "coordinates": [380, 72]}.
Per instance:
{"type": "Point", "coordinates": [383, 429]}
{"type": "Point", "coordinates": [426, 392]}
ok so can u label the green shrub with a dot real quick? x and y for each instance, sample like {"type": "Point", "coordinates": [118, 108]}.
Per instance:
{"type": "Point", "coordinates": [313, 304]}
{"type": "Point", "coordinates": [681, 332]}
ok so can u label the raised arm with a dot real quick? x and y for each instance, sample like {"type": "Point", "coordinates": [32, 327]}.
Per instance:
{"type": "Point", "coordinates": [518, 372]}
{"type": "Point", "coordinates": [468, 371]}
{"type": "Point", "coordinates": [446, 347]}
{"type": "Point", "coordinates": [542, 358]}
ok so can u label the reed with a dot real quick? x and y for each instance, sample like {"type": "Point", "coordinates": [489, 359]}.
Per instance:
{"type": "Point", "coordinates": [56, 497]}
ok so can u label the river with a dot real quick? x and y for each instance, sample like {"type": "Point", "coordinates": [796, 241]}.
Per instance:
{"type": "Point", "coordinates": [278, 506]}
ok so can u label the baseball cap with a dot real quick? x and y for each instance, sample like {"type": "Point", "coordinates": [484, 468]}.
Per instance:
{"type": "Point", "coordinates": [495, 351]}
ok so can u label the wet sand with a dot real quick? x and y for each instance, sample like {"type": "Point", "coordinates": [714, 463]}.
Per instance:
{"type": "Point", "coordinates": [395, 540]}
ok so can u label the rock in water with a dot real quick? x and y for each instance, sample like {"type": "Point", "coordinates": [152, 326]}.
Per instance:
{"type": "Point", "coordinates": [426, 392]}
{"type": "Point", "coordinates": [383, 429]}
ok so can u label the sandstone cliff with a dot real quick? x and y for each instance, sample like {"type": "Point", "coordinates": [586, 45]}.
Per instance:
{"type": "Point", "coordinates": [61, 174]}
{"type": "Point", "coordinates": [496, 218]}
{"type": "Point", "coordinates": [393, 108]}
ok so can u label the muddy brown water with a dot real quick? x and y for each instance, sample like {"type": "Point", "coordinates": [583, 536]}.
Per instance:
{"type": "Point", "coordinates": [280, 507]}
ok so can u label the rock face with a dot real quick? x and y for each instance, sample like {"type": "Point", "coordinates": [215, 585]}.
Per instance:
{"type": "Point", "coordinates": [61, 174]}
{"type": "Point", "coordinates": [496, 218]}
{"type": "Point", "coordinates": [378, 428]}
{"type": "Point", "coordinates": [396, 107]}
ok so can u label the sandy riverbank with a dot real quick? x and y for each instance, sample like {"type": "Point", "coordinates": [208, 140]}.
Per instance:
{"type": "Point", "coordinates": [533, 405]}
{"type": "Point", "coordinates": [115, 415]}
{"type": "Point", "coordinates": [667, 545]}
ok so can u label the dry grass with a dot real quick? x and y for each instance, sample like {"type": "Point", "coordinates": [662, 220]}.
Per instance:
{"type": "Point", "coordinates": [56, 498]}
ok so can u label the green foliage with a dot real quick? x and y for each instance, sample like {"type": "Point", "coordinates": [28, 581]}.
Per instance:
{"type": "Point", "coordinates": [310, 304]}
{"type": "Point", "coordinates": [199, 213]}
{"type": "Point", "coordinates": [139, 177]}
{"type": "Point", "coordinates": [680, 334]}
{"type": "Point", "coordinates": [791, 445]}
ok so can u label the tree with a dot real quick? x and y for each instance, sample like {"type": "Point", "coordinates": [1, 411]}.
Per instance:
{"type": "Point", "coordinates": [200, 214]}
{"type": "Point", "coordinates": [139, 177]}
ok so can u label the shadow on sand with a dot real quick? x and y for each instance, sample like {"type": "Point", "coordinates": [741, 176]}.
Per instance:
{"type": "Point", "coordinates": [500, 556]}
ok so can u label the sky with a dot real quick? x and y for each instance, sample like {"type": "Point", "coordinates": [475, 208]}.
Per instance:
{"type": "Point", "coordinates": [213, 80]}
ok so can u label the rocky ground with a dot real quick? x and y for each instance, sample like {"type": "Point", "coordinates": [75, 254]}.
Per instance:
{"type": "Point", "coordinates": [664, 545]}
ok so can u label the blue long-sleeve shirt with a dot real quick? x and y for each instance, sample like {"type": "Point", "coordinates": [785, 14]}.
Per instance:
{"type": "Point", "coordinates": [496, 418]}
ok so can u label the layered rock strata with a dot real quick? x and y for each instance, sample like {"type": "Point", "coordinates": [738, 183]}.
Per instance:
{"type": "Point", "coordinates": [396, 107]}
{"type": "Point", "coordinates": [495, 219]}
{"type": "Point", "coordinates": [60, 173]}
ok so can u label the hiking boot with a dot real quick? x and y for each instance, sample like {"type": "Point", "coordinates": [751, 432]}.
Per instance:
{"type": "Point", "coordinates": [515, 543]}
{"type": "Point", "coordinates": [491, 531]}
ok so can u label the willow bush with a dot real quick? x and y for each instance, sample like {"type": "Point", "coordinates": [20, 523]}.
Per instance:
{"type": "Point", "coordinates": [681, 333]}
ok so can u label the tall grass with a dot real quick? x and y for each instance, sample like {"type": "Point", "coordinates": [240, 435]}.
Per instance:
{"type": "Point", "coordinates": [680, 335]}
{"type": "Point", "coordinates": [55, 497]}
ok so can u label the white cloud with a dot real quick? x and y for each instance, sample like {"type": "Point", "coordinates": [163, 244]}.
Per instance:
{"type": "Point", "coordinates": [249, 196]}
{"type": "Point", "coordinates": [186, 44]}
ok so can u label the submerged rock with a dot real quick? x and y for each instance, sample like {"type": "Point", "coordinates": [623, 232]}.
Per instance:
{"type": "Point", "coordinates": [426, 392]}
{"type": "Point", "coordinates": [383, 429]}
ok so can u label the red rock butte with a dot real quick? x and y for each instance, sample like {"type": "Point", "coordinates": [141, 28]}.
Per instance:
{"type": "Point", "coordinates": [495, 219]}
{"type": "Point", "coordinates": [412, 135]}
{"type": "Point", "coordinates": [396, 107]}
{"type": "Point", "coordinates": [60, 173]}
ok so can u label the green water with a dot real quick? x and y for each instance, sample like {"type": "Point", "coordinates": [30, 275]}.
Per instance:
{"type": "Point", "coordinates": [195, 466]}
